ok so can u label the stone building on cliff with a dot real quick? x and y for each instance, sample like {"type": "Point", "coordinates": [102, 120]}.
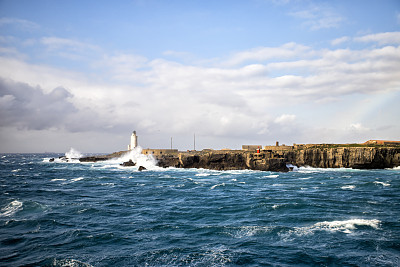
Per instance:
{"type": "Point", "coordinates": [382, 142]}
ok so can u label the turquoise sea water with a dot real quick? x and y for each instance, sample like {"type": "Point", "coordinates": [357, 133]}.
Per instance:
{"type": "Point", "coordinates": [101, 214]}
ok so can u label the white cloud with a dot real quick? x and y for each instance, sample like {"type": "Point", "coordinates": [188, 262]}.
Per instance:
{"type": "Point", "coordinates": [20, 23]}
{"type": "Point", "coordinates": [380, 38]}
{"type": "Point", "coordinates": [237, 97]}
{"type": "Point", "coordinates": [260, 54]}
{"type": "Point", "coordinates": [56, 43]}
{"type": "Point", "coordinates": [340, 40]}
{"type": "Point", "coordinates": [358, 127]}
{"type": "Point", "coordinates": [318, 17]}
{"type": "Point", "coordinates": [70, 49]}
{"type": "Point", "coordinates": [285, 119]}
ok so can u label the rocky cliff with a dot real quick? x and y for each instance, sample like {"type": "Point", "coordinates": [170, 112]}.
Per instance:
{"type": "Point", "coordinates": [346, 157]}
{"type": "Point", "coordinates": [342, 157]}
{"type": "Point", "coordinates": [224, 160]}
{"type": "Point", "coordinates": [319, 157]}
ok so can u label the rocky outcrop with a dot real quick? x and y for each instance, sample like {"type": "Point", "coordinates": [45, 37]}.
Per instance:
{"type": "Point", "coordinates": [102, 157]}
{"type": "Point", "coordinates": [128, 163]}
{"type": "Point", "coordinates": [141, 168]}
{"type": "Point", "coordinates": [223, 160]}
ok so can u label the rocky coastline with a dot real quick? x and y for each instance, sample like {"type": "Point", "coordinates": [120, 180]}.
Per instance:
{"type": "Point", "coordinates": [279, 160]}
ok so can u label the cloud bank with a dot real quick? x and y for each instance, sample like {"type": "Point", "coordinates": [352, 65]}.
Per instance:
{"type": "Point", "coordinates": [257, 95]}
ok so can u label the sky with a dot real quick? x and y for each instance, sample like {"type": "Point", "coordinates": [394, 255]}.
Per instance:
{"type": "Point", "coordinates": [85, 74]}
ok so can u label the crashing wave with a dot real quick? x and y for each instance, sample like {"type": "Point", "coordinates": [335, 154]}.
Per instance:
{"type": "Point", "coordinates": [136, 156]}
{"type": "Point", "coordinates": [73, 154]}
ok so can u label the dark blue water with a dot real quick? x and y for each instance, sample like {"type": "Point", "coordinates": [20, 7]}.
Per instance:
{"type": "Point", "coordinates": [100, 214]}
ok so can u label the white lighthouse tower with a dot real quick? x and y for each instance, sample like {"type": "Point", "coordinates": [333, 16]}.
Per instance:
{"type": "Point", "coordinates": [133, 143]}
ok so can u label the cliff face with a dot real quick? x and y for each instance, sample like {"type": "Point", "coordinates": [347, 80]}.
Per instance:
{"type": "Point", "coordinates": [221, 160]}
{"type": "Point", "coordinates": [347, 157]}
{"type": "Point", "coordinates": [352, 157]}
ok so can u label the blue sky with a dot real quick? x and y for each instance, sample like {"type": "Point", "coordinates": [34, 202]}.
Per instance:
{"type": "Point", "coordinates": [85, 74]}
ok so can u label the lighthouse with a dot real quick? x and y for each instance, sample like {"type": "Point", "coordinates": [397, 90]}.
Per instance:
{"type": "Point", "coordinates": [133, 143]}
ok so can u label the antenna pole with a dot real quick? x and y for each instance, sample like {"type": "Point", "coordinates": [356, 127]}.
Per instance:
{"type": "Point", "coordinates": [194, 141]}
{"type": "Point", "coordinates": [171, 143]}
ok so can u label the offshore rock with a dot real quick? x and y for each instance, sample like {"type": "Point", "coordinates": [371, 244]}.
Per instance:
{"type": "Point", "coordinates": [141, 168]}
{"type": "Point", "coordinates": [128, 163]}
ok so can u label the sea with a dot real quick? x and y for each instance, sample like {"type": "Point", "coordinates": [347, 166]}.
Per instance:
{"type": "Point", "coordinates": [67, 213]}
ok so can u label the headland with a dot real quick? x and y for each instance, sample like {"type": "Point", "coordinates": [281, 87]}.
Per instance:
{"type": "Point", "coordinates": [373, 154]}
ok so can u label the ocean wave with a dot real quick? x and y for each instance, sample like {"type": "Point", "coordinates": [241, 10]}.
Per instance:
{"type": "Point", "coordinates": [11, 208]}
{"type": "Point", "coordinates": [69, 263]}
{"type": "Point", "coordinates": [308, 169]}
{"type": "Point", "coordinates": [58, 179]}
{"type": "Point", "coordinates": [147, 161]}
{"type": "Point", "coordinates": [382, 183]}
{"type": "Point", "coordinates": [272, 176]}
{"type": "Point", "coordinates": [73, 154]}
{"type": "Point", "coordinates": [202, 174]}
{"type": "Point", "coordinates": [214, 186]}
{"type": "Point", "coordinates": [348, 187]}
{"type": "Point", "coordinates": [77, 179]}
{"type": "Point", "coordinates": [346, 226]}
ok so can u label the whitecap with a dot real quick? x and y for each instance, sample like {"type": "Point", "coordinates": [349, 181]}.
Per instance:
{"type": "Point", "coordinates": [214, 186]}
{"type": "Point", "coordinates": [308, 169]}
{"type": "Point", "coordinates": [108, 184]}
{"type": "Point", "coordinates": [202, 174]}
{"type": "Point", "coordinates": [77, 179]}
{"type": "Point", "coordinates": [346, 226]}
{"type": "Point", "coordinates": [70, 262]}
{"type": "Point", "coordinates": [58, 179]}
{"type": "Point", "coordinates": [348, 187]}
{"type": "Point", "coordinates": [381, 183]}
{"type": "Point", "coordinates": [11, 208]}
{"type": "Point", "coordinates": [272, 176]}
